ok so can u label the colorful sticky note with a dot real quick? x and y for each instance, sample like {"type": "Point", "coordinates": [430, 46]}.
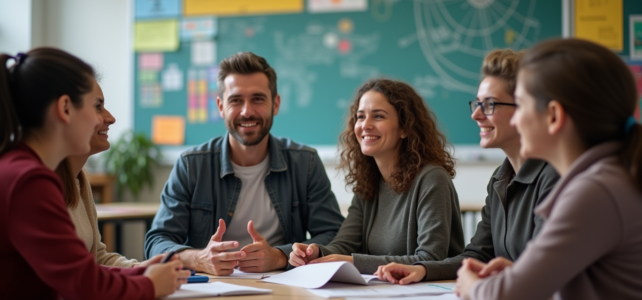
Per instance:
{"type": "Point", "coordinates": [151, 95]}
{"type": "Point", "coordinates": [198, 28]}
{"type": "Point", "coordinates": [168, 130]}
{"type": "Point", "coordinates": [147, 76]}
{"type": "Point", "coordinates": [154, 36]}
{"type": "Point", "coordinates": [150, 61]}
{"type": "Point", "coordinates": [241, 7]}
{"type": "Point", "coordinates": [157, 8]}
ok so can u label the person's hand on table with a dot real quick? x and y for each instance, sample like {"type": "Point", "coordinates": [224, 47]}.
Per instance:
{"type": "Point", "coordinates": [467, 276]}
{"type": "Point", "coordinates": [302, 254]}
{"type": "Point", "coordinates": [166, 277]}
{"type": "Point", "coordinates": [495, 266]}
{"type": "Point", "coordinates": [213, 259]}
{"type": "Point", "coordinates": [154, 260]}
{"type": "Point", "coordinates": [401, 274]}
{"type": "Point", "coordinates": [260, 257]}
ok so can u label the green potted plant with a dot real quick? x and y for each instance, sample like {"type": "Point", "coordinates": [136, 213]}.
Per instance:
{"type": "Point", "coordinates": [132, 159]}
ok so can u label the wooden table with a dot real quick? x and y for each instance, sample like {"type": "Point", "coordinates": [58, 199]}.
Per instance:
{"type": "Point", "coordinates": [117, 213]}
{"type": "Point", "coordinates": [279, 291]}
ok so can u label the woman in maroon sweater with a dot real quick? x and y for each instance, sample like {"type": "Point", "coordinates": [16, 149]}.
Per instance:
{"type": "Point", "coordinates": [48, 101]}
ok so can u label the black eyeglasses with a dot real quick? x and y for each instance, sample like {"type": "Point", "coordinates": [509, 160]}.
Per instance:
{"type": "Point", "coordinates": [487, 106]}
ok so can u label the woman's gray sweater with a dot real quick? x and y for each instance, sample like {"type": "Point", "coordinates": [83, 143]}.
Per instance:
{"type": "Point", "coordinates": [423, 223]}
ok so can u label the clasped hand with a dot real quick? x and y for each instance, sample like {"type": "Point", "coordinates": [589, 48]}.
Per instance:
{"type": "Point", "coordinates": [472, 270]}
{"type": "Point", "coordinates": [255, 257]}
{"type": "Point", "coordinates": [303, 254]}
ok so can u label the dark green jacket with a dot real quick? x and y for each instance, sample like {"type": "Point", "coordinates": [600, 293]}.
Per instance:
{"type": "Point", "coordinates": [508, 221]}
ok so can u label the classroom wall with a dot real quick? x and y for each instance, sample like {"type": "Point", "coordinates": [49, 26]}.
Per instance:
{"type": "Point", "coordinates": [98, 31]}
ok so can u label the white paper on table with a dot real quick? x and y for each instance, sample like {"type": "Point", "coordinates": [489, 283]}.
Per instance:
{"type": "Point", "coordinates": [237, 274]}
{"type": "Point", "coordinates": [316, 275]}
{"type": "Point", "coordinates": [435, 297]}
{"type": "Point", "coordinates": [213, 289]}
{"type": "Point", "coordinates": [335, 289]}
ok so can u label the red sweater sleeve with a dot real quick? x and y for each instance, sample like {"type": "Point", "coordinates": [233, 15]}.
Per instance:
{"type": "Point", "coordinates": [43, 233]}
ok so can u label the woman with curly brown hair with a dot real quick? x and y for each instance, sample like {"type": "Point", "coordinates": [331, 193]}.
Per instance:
{"type": "Point", "coordinates": [405, 207]}
{"type": "Point", "coordinates": [517, 186]}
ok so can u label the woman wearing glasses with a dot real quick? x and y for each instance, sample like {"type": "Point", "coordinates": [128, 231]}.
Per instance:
{"type": "Point", "coordinates": [515, 188]}
{"type": "Point", "coordinates": [576, 101]}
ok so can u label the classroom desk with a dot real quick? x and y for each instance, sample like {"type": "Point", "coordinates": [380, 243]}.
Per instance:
{"type": "Point", "coordinates": [118, 213]}
{"type": "Point", "coordinates": [279, 291]}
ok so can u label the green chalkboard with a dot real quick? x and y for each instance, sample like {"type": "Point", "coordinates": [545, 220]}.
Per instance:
{"type": "Point", "coordinates": [322, 58]}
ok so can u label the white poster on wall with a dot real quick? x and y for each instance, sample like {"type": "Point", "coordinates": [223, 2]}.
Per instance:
{"type": "Point", "coordinates": [322, 6]}
{"type": "Point", "coordinates": [635, 36]}
{"type": "Point", "coordinates": [172, 78]}
{"type": "Point", "coordinates": [203, 53]}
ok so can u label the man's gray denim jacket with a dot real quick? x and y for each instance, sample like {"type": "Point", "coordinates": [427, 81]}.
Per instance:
{"type": "Point", "coordinates": [202, 188]}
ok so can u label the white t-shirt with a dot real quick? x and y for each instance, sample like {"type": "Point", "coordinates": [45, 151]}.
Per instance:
{"type": "Point", "coordinates": [254, 204]}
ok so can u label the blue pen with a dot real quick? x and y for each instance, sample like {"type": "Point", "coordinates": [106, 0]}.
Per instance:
{"type": "Point", "coordinates": [198, 279]}
{"type": "Point", "coordinates": [168, 257]}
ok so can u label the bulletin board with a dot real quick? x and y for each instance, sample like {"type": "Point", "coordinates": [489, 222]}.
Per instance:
{"type": "Point", "coordinates": [322, 51]}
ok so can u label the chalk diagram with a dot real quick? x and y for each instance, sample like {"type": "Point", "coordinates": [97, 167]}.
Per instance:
{"type": "Point", "coordinates": [452, 33]}
{"type": "Point", "coordinates": [320, 44]}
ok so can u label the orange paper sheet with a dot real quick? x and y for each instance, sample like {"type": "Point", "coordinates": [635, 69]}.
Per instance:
{"type": "Point", "coordinates": [241, 7]}
{"type": "Point", "coordinates": [168, 130]}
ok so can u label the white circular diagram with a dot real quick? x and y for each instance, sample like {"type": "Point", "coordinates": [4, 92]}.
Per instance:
{"type": "Point", "coordinates": [455, 35]}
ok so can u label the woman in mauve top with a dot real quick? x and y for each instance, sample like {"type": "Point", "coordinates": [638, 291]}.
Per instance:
{"type": "Point", "coordinates": [48, 111]}
{"type": "Point", "coordinates": [576, 101]}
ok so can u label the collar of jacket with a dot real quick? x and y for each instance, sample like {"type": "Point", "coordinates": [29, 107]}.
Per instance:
{"type": "Point", "coordinates": [586, 160]}
{"type": "Point", "coordinates": [526, 174]}
{"type": "Point", "coordinates": [277, 161]}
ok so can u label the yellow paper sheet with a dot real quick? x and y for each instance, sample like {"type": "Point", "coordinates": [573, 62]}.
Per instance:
{"type": "Point", "coordinates": [600, 21]}
{"type": "Point", "coordinates": [159, 35]}
{"type": "Point", "coordinates": [241, 7]}
{"type": "Point", "coordinates": [168, 130]}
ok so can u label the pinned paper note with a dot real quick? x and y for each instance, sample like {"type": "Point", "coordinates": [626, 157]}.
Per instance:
{"type": "Point", "coordinates": [198, 28]}
{"type": "Point", "coordinates": [151, 95]}
{"type": "Point", "coordinates": [201, 95]}
{"type": "Point", "coordinates": [203, 53]}
{"type": "Point", "coordinates": [600, 22]}
{"type": "Point", "coordinates": [321, 6]}
{"type": "Point", "coordinates": [156, 36]}
{"type": "Point", "coordinates": [241, 7]}
{"type": "Point", "coordinates": [172, 78]}
{"type": "Point", "coordinates": [157, 8]}
{"type": "Point", "coordinates": [150, 61]}
{"type": "Point", "coordinates": [147, 76]}
{"type": "Point", "coordinates": [168, 130]}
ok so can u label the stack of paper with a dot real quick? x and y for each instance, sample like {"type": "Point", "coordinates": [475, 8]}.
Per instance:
{"type": "Point", "coordinates": [214, 289]}
{"type": "Point", "coordinates": [333, 289]}
{"type": "Point", "coordinates": [338, 279]}
{"type": "Point", "coordinates": [438, 297]}
{"type": "Point", "coordinates": [237, 274]}
{"type": "Point", "coordinates": [317, 275]}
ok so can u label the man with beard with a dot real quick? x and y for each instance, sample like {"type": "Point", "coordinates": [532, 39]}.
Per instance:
{"type": "Point", "coordinates": [240, 200]}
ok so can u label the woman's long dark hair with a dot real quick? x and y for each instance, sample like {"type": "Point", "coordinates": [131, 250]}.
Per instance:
{"type": "Point", "coordinates": [594, 86]}
{"type": "Point", "coordinates": [31, 84]}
